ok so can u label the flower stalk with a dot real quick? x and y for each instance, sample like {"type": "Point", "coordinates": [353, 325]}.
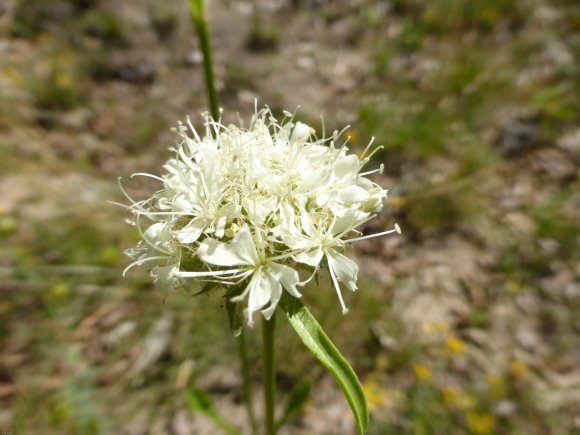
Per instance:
{"type": "Point", "coordinates": [247, 382]}
{"type": "Point", "coordinates": [199, 19]}
{"type": "Point", "coordinates": [268, 329]}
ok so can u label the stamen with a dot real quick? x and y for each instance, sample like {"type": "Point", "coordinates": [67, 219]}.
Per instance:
{"type": "Point", "coordinates": [396, 229]}
{"type": "Point", "coordinates": [210, 273]}
{"type": "Point", "coordinates": [124, 191]}
{"type": "Point", "coordinates": [377, 149]}
{"type": "Point", "coordinates": [367, 147]}
{"type": "Point", "coordinates": [310, 278]}
{"type": "Point", "coordinates": [359, 224]}
{"type": "Point", "coordinates": [128, 207]}
{"type": "Point", "coordinates": [193, 129]}
{"type": "Point", "coordinates": [288, 254]}
{"type": "Point", "coordinates": [337, 287]}
{"type": "Point", "coordinates": [163, 213]}
{"type": "Point", "coordinates": [374, 171]}
{"type": "Point", "coordinates": [144, 174]}
{"type": "Point", "coordinates": [187, 160]}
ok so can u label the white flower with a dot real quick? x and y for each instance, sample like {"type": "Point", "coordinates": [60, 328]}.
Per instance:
{"type": "Point", "coordinates": [268, 276]}
{"type": "Point", "coordinates": [249, 208]}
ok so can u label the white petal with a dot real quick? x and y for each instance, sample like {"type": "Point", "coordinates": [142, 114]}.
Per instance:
{"type": "Point", "coordinates": [258, 207]}
{"type": "Point", "coordinates": [353, 195]}
{"type": "Point", "coordinates": [374, 203]}
{"type": "Point", "coordinates": [158, 234]}
{"type": "Point", "coordinates": [220, 226]}
{"type": "Point", "coordinates": [137, 252]}
{"type": "Point", "coordinates": [243, 245]}
{"type": "Point", "coordinates": [189, 234]}
{"type": "Point", "coordinates": [288, 218]}
{"type": "Point", "coordinates": [165, 277]}
{"type": "Point", "coordinates": [262, 287]}
{"type": "Point", "coordinates": [287, 276]}
{"type": "Point", "coordinates": [241, 250]}
{"type": "Point", "coordinates": [315, 151]}
{"type": "Point", "coordinates": [313, 178]}
{"type": "Point", "coordinates": [346, 270]}
{"type": "Point", "coordinates": [301, 133]}
{"type": "Point", "coordinates": [346, 167]}
{"type": "Point", "coordinates": [276, 290]}
{"type": "Point", "coordinates": [214, 252]}
{"type": "Point", "coordinates": [308, 226]}
{"type": "Point", "coordinates": [311, 258]}
{"type": "Point", "coordinates": [350, 220]}
{"type": "Point", "coordinates": [322, 198]}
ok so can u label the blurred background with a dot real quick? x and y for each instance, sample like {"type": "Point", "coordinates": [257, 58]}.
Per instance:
{"type": "Point", "coordinates": [467, 324]}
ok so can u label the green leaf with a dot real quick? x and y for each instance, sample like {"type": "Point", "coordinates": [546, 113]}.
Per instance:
{"type": "Point", "coordinates": [200, 401]}
{"type": "Point", "coordinates": [316, 340]}
{"type": "Point", "coordinates": [296, 402]}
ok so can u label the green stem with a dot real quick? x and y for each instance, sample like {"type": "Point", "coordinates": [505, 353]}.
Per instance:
{"type": "Point", "coordinates": [268, 327]}
{"type": "Point", "coordinates": [198, 16]}
{"type": "Point", "coordinates": [247, 382]}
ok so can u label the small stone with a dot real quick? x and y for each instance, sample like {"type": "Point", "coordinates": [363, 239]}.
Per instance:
{"type": "Point", "coordinates": [518, 137]}
{"type": "Point", "coordinates": [194, 58]}
{"type": "Point", "coordinates": [506, 408]}
{"type": "Point", "coordinates": [570, 142]}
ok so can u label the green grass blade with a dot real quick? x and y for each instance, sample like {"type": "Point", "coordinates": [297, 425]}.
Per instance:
{"type": "Point", "coordinates": [296, 402]}
{"type": "Point", "coordinates": [197, 9]}
{"type": "Point", "coordinates": [316, 340]}
{"type": "Point", "coordinates": [200, 401]}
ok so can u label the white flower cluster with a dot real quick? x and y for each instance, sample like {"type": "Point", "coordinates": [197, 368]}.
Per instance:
{"type": "Point", "coordinates": [251, 207]}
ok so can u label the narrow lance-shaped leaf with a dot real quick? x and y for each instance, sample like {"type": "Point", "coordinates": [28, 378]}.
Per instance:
{"type": "Point", "coordinates": [316, 340]}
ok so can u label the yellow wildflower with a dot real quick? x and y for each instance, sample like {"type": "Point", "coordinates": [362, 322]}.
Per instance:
{"type": "Point", "coordinates": [519, 369]}
{"type": "Point", "coordinates": [480, 424]}
{"type": "Point", "coordinates": [497, 387]}
{"type": "Point", "coordinates": [422, 372]}
{"type": "Point", "coordinates": [450, 396]}
{"type": "Point", "coordinates": [12, 76]}
{"type": "Point", "coordinates": [375, 395]}
{"type": "Point", "coordinates": [455, 345]}
{"type": "Point", "coordinates": [465, 401]}
{"type": "Point", "coordinates": [63, 79]}
{"type": "Point", "coordinates": [435, 326]}
{"type": "Point", "coordinates": [455, 398]}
